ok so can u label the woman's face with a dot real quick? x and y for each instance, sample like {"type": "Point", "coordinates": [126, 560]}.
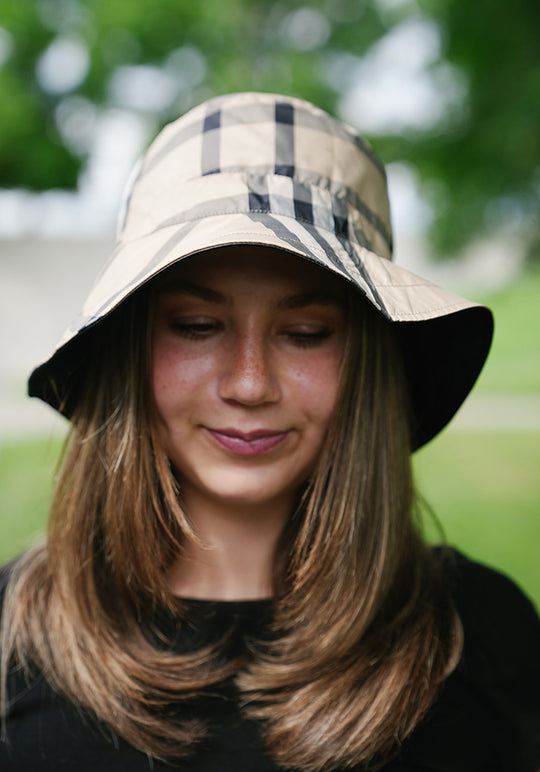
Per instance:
{"type": "Point", "coordinates": [247, 347]}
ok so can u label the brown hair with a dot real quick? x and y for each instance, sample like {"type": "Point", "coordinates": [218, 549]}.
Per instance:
{"type": "Point", "coordinates": [364, 632]}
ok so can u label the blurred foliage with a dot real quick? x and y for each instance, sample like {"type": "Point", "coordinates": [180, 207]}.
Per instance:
{"type": "Point", "coordinates": [513, 366]}
{"type": "Point", "coordinates": [477, 164]}
{"type": "Point", "coordinates": [490, 161]}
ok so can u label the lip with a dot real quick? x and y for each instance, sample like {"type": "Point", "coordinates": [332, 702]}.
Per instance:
{"type": "Point", "coordinates": [253, 443]}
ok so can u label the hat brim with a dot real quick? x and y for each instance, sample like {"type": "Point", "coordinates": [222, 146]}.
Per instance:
{"type": "Point", "coordinates": [445, 338]}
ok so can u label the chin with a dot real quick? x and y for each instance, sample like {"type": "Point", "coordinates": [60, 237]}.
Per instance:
{"type": "Point", "coordinates": [239, 491]}
{"type": "Point", "coordinates": [242, 497]}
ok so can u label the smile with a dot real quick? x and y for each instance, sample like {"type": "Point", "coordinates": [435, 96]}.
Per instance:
{"type": "Point", "coordinates": [247, 443]}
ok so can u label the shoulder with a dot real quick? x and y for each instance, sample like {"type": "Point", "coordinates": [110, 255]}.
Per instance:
{"type": "Point", "coordinates": [500, 663]}
{"type": "Point", "coordinates": [493, 610]}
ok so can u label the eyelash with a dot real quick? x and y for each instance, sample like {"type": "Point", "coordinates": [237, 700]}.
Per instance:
{"type": "Point", "coordinates": [309, 339]}
{"type": "Point", "coordinates": [202, 330]}
{"type": "Point", "coordinates": [194, 330]}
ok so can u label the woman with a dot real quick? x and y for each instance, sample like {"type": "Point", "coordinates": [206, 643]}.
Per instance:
{"type": "Point", "coordinates": [232, 577]}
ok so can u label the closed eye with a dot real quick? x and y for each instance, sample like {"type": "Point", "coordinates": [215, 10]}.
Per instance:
{"type": "Point", "coordinates": [194, 329]}
{"type": "Point", "coordinates": [307, 338]}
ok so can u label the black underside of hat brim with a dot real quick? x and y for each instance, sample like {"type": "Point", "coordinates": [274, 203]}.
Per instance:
{"type": "Point", "coordinates": [443, 358]}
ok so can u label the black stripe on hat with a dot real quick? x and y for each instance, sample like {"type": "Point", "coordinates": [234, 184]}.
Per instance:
{"type": "Point", "coordinates": [284, 113]}
{"type": "Point", "coordinates": [366, 277]}
{"type": "Point", "coordinates": [287, 235]}
{"type": "Point", "coordinates": [212, 121]}
{"type": "Point", "coordinates": [341, 226]}
{"type": "Point", "coordinates": [283, 233]}
{"type": "Point", "coordinates": [259, 202]}
{"type": "Point", "coordinates": [258, 195]}
{"type": "Point", "coordinates": [341, 217]}
{"type": "Point", "coordinates": [280, 230]}
{"type": "Point", "coordinates": [210, 143]}
{"type": "Point", "coordinates": [302, 201]}
{"type": "Point", "coordinates": [303, 210]}
{"type": "Point", "coordinates": [284, 158]}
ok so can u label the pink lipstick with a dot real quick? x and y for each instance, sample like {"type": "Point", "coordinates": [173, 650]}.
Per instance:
{"type": "Point", "coordinates": [247, 443]}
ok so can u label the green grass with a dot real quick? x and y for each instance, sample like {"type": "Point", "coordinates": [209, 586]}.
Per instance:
{"type": "Point", "coordinates": [26, 474]}
{"type": "Point", "coordinates": [483, 486]}
{"type": "Point", "coordinates": [514, 362]}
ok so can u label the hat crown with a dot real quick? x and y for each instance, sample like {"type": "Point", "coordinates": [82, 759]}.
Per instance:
{"type": "Point", "coordinates": [252, 153]}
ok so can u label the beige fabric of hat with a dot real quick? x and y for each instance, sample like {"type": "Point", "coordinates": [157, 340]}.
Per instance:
{"type": "Point", "coordinates": [277, 171]}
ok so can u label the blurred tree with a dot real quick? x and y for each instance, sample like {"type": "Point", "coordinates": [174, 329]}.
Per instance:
{"type": "Point", "coordinates": [64, 61]}
{"type": "Point", "coordinates": [487, 165]}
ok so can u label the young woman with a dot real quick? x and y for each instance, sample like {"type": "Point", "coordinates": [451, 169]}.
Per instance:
{"type": "Point", "coordinates": [233, 577]}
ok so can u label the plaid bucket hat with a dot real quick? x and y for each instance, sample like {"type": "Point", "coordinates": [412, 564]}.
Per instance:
{"type": "Point", "coordinates": [271, 170]}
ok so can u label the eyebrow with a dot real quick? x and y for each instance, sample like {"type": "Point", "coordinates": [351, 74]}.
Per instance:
{"type": "Point", "coordinates": [298, 300]}
{"type": "Point", "coordinates": [187, 287]}
{"type": "Point", "coordinates": [319, 298]}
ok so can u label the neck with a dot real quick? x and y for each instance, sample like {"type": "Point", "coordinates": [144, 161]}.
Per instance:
{"type": "Point", "coordinates": [234, 559]}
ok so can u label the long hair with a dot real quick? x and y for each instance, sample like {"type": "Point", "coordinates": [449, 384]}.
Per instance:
{"type": "Point", "coordinates": [363, 631]}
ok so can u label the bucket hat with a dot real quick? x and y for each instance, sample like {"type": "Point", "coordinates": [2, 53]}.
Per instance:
{"type": "Point", "coordinates": [257, 168]}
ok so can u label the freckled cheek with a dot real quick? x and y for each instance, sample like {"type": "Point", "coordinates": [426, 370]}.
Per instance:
{"type": "Point", "coordinates": [176, 376]}
{"type": "Point", "coordinates": [316, 387]}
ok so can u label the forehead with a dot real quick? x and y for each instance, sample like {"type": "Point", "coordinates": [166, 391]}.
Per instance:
{"type": "Point", "coordinates": [252, 265]}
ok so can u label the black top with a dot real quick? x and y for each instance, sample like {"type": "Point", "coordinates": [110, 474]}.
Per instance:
{"type": "Point", "coordinates": [487, 718]}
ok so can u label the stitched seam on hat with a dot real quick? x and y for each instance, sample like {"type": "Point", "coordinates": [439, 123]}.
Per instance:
{"type": "Point", "coordinates": [365, 243]}
{"type": "Point", "coordinates": [422, 315]}
{"type": "Point", "coordinates": [340, 191]}
{"type": "Point", "coordinates": [412, 284]}
{"type": "Point", "coordinates": [364, 211]}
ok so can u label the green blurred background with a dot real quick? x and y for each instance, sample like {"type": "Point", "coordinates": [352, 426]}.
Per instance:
{"type": "Point", "coordinates": [448, 92]}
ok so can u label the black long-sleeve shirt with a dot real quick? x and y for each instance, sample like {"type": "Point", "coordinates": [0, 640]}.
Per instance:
{"type": "Point", "coordinates": [486, 719]}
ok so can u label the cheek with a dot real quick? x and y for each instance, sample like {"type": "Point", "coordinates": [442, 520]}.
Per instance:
{"type": "Point", "coordinates": [166, 373]}
{"type": "Point", "coordinates": [317, 386]}
{"type": "Point", "coordinates": [176, 377]}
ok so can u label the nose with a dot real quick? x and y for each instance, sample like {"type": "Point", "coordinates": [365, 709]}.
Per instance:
{"type": "Point", "coordinates": [249, 374]}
